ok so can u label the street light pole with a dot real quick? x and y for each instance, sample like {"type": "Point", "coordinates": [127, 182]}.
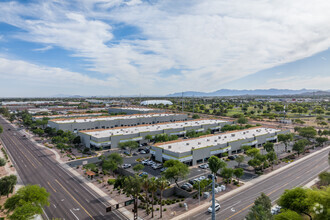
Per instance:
{"type": "Point", "coordinates": [199, 193]}
{"type": "Point", "coordinates": [213, 198]}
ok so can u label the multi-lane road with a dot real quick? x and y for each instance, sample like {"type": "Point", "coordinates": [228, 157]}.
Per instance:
{"type": "Point", "coordinates": [238, 205]}
{"type": "Point", "coordinates": [70, 198]}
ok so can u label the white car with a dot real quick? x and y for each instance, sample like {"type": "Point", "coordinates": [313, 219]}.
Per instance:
{"type": "Point", "coordinates": [125, 166]}
{"type": "Point", "coordinates": [145, 162]}
{"type": "Point", "coordinates": [217, 207]}
{"type": "Point", "coordinates": [150, 163]}
{"type": "Point", "coordinates": [201, 178]}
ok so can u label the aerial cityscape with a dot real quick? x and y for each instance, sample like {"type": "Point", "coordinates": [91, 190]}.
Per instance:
{"type": "Point", "coordinates": [163, 109]}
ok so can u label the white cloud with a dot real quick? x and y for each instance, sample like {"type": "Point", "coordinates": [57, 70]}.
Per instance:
{"type": "Point", "coordinates": [42, 49]}
{"type": "Point", "coordinates": [213, 41]}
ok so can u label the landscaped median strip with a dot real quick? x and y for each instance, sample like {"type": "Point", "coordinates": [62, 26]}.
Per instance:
{"type": "Point", "coordinates": [248, 184]}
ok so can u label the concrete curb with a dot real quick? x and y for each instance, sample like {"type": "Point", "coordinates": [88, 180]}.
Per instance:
{"type": "Point", "coordinates": [252, 182]}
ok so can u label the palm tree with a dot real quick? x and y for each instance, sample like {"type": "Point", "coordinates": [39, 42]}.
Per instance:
{"type": "Point", "coordinates": [145, 187]}
{"type": "Point", "coordinates": [162, 185]}
{"type": "Point", "coordinates": [215, 165]}
{"type": "Point", "coordinates": [132, 187]}
{"type": "Point", "coordinates": [153, 188]}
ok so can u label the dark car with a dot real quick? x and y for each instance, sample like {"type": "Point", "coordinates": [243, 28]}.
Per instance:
{"type": "Point", "coordinates": [231, 157]}
{"type": "Point", "coordinates": [192, 182]}
{"type": "Point", "coordinates": [210, 176]}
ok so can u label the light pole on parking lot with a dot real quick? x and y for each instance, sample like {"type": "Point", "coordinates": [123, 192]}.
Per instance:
{"type": "Point", "coordinates": [199, 192]}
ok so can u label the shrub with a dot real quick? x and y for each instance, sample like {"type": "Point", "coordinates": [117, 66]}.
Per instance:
{"type": "Point", "coordinates": [164, 210]}
{"type": "Point", "coordinates": [157, 209]}
{"type": "Point", "coordinates": [111, 181]}
{"type": "Point", "coordinates": [180, 205]}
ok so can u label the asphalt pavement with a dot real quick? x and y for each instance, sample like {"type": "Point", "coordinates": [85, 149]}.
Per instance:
{"type": "Point", "coordinates": [237, 206]}
{"type": "Point", "coordinates": [70, 198]}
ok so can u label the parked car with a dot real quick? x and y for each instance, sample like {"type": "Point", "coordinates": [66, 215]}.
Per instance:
{"type": "Point", "coordinates": [157, 166]}
{"type": "Point", "coordinates": [201, 178]}
{"type": "Point", "coordinates": [144, 162]}
{"type": "Point", "coordinates": [189, 185]}
{"type": "Point", "coordinates": [134, 154]}
{"type": "Point", "coordinates": [192, 182]}
{"type": "Point", "coordinates": [143, 174]}
{"type": "Point", "coordinates": [185, 187]}
{"type": "Point", "coordinates": [126, 165]}
{"type": "Point", "coordinates": [126, 152]}
{"type": "Point", "coordinates": [216, 207]}
{"type": "Point", "coordinates": [143, 152]}
{"type": "Point", "coordinates": [150, 163]}
{"type": "Point", "coordinates": [163, 169]}
{"type": "Point", "coordinates": [231, 158]}
{"type": "Point", "coordinates": [204, 166]}
{"type": "Point", "coordinates": [210, 176]}
{"type": "Point", "coordinates": [147, 150]}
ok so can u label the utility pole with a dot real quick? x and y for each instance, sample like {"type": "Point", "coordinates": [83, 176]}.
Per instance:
{"type": "Point", "coordinates": [182, 102]}
{"type": "Point", "coordinates": [213, 198]}
{"type": "Point", "coordinates": [193, 104]}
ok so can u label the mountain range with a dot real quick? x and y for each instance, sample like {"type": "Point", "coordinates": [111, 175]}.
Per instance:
{"type": "Point", "coordinates": [255, 92]}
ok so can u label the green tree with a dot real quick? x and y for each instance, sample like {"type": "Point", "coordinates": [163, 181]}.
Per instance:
{"type": "Point", "coordinates": [288, 215]}
{"type": "Point", "coordinates": [238, 173]}
{"type": "Point", "coordinates": [285, 138]}
{"type": "Point", "coordinates": [295, 200]}
{"type": "Point", "coordinates": [7, 185]}
{"type": "Point", "coordinates": [307, 132]}
{"type": "Point", "coordinates": [195, 116]}
{"type": "Point", "coordinates": [162, 185]}
{"type": "Point", "coordinates": [240, 159]}
{"type": "Point", "coordinates": [227, 174]}
{"type": "Point", "coordinates": [321, 140]}
{"type": "Point", "coordinates": [131, 145]}
{"type": "Point", "coordinates": [246, 148]}
{"type": "Point", "coordinates": [153, 186]}
{"type": "Point", "coordinates": [253, 152]}
{"type": "Point", "coordinates": [138, 167]}
{"type": "Point", "coordinates": [255, 163]}
{"type": "Point", "coordinates": [1, 129]}
{"type": "Point", "coordinates": [299, 146]}
{"type": "Point", "coordinates": [112, 162]}
{"type": "Point", "coordinates": [242, 120]}
{"type": "Point", "coordinates": [145, 187]}
{"type": "Point", "coordinates": [271, 157]}
{"type": "Point", "coordinates": [175, 170]}
{"type": "Point", "coordinates": [269, 146]}
{"type": "Point", "coordinates": [148, 137]}
{"type": "Point", "coordinates": [261, 209]}
{"type": "Point", "coordinates": [76, 140]}
{"type": "Point", "coordinates": [324, 178]}
{"type": "Point", "coordinates": [133, 186]}
{"type": "Point", "coordinates": [2, 162]}
{"type": "Point", "coordinates": [27, 202]}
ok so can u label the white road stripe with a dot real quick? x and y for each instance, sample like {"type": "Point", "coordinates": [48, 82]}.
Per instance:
{"type": "Point", "coordinates": [74, 214]}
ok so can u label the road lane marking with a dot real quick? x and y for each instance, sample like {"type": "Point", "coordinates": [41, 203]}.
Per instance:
{"type": "Point", "coordinates": [51, 186]}
{"type": "Point", "coordinates": [101, 213]}
{"type": "Point", "coordinates": [54, 206]}
{"type": "Point", "coordinates": [74, 214]}
{"type": "Point", "coordinates": [240, 211]}
{"type": "Point", "coordinates": [74, 198]}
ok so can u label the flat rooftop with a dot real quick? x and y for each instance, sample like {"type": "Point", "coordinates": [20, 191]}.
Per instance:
{"type": "Point", "coordinates": [110, 118]}
{"type": "Point", "coordinates": [135, 109]}
{"type": "Point", "coordinates": [68, 115]}
{"type": "Point", "coordinates": [101, 133]}
{"type": "Point", "coordinates": [212, 140]}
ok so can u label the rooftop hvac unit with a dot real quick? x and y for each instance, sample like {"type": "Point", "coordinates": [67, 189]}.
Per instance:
{"type": "Point", "coordinates": [207, 139]}
{"type": "Point", "coordinates": [219, 137]}
{"type": "Point", "coordinates": [199, 143]}
{"type": "Point", "coordinates": [169, 146]}
{"type": "Point", "coordinates": [215, 140]}
{"type": "Point", "coordinates": [233, 135]}
{"type": "Point", "coordinates": [187, 143]}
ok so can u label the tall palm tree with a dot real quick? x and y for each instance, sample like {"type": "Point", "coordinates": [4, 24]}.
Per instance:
{"type": "Point", "coordinates": [145, 187]}
{"type": "Point", "coordinates": [133, 187]}
{"type": "Point", "coordinates": [162, 185]}
{"type": "Point", "coordinates": [215, 165]}
{"type": "Point", "coordinates": [153, 188]}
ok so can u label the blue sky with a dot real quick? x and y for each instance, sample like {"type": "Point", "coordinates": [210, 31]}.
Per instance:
{"type": "Point", "coordinates": [131, 47]}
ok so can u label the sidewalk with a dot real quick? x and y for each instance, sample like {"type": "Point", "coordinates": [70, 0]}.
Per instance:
{"type": "Point", "coordinates": [247, 185]}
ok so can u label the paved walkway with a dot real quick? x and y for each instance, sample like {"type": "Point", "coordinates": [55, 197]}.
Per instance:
{"type": "Point", "coordinates": [203, 207]}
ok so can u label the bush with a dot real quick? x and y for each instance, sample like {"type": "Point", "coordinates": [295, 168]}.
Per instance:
{"type": "Point", "coordinates": [111, 181]}
{"type": "Point", "coordinates": [180, 205]}
{"type": "Point", "coordinates": [164, 210]}
{"type": "Point", "coordinates": [157, 209]}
